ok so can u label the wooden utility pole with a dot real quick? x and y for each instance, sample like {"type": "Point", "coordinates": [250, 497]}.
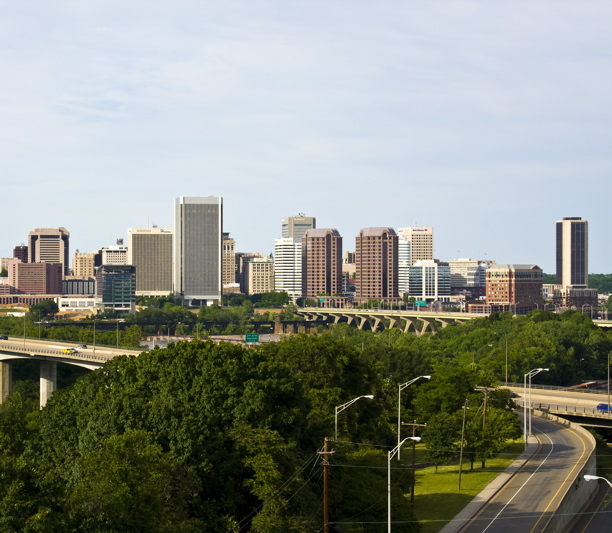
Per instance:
{"type": "Point", "coordinates": [325, 453]}
{"type": "Point", "coordinates": [413, 476]}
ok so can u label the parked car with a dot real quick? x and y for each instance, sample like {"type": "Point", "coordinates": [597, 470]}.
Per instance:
{"type": "Point", "coordinates": [3, 337]}
{"type": "Point", "coordinates": [603, 407]}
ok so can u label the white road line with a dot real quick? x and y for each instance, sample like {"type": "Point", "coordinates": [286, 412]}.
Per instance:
{"type": "Point", "coordinates": [521, 487]}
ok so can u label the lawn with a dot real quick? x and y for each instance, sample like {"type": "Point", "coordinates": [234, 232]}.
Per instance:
{"type": "Point", "coordinates": [437, 498]}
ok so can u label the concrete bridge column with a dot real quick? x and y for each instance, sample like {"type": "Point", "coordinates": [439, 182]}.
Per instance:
{"type": "Point", "coordinates": [48, 380]}
{"type": "Point", "coordinates": [6, 379]}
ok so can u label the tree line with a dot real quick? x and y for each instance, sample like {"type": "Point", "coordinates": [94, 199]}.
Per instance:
{"type": "Point", "coordinates": [219, 437]}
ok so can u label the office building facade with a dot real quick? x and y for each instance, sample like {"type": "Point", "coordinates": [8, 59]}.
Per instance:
{"type": "Point", "coordinates": [420, 243]}
{"type": "Point", "coordinates": [430, 281]}
{"type": "Point", "coordinates": [150, 251]}
{"type": "Point", "coordinates": [35, 278]}
{"type": "Point", "coordinates": [297, 226]}
{"type": "Point", "coordinates": [573, 252]}
{"type": "Point", "coordinates": [376, 276]}
{"type": "Point", "coordinates": [229, 260]}
{"type": "Point", "coordinates": [116, 288]}
{"type": "Point", "coordinates": [516, 288]}
{"type": "Point", "coordinates": [198, 248]}
{"type": "Point", "coordinates": [321, 263]}
{"type": "Point", "coordinates": [50, 245]}
{"type": "Point", "coordinates": [258, 275]}
{"type": "Point", "coordinates": [288, 266]}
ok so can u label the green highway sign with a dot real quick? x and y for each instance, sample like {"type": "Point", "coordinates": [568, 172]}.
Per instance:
{"type": "Point", "coordinates": [252, 337]}
{"type": "Point", "coordinates": [321, 300]}
{"type": "Point", "coordinates": [420, 303]}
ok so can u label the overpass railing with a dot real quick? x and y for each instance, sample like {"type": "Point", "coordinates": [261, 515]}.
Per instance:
{"type": "Point", "coordinates": [54, 353]}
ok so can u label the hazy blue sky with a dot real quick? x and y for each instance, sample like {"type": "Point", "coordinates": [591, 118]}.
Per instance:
{"type": "Point", "coordinates": [487, 120]}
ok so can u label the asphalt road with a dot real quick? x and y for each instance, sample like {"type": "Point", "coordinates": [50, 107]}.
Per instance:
{"type": "Point", "coordinates": [527, 502]}
{"type": "Point", "coordinates": [597, 517]}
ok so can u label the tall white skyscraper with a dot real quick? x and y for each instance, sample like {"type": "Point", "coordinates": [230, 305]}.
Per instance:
{"type": "Point", "coordinates": [198, 249]}
{"type": "Point", "coordinates": [150, 251]}
{"type": "Point", "coordinates": [288, 266]}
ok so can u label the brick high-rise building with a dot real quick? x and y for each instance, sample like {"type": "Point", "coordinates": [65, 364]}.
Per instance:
{"type": "Point", "coordinates": [35, 278]}
{"type": "Point", "coordinates": [515, 288]}
{"type": "Point", "coordinates": [321, 263]}
{"type": "Point", "coordinates": [376, 265]}
{"type": "Point", "coordinates": [49, 245]}
{"type": "Point", "coordinates": [21, 253]}
{"type": "Point", "coordinates": [229, 260]}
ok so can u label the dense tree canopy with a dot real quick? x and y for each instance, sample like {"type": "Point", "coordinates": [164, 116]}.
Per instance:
{"type": "Point", "coordinates": [206, 437]}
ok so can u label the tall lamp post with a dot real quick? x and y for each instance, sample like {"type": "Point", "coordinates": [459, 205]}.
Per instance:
{"type": "Point", "coordinates": [588, 477]}
{"type": "Point", "coordinates": [342, 407]}
{"type": "Point", "coordinates": [465, 408]}
{"type": "Point", "coordinates": [400, 388]}
{"type": "Point", "coordinates": [391, 454]}
{"type": "Point", "coordinates": [526, 425]}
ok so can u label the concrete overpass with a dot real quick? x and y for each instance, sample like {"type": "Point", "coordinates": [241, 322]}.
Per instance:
{"type": "Point", "coordinates": [49, 353]}
{"type": "Point", "coordinates": [407, 321]}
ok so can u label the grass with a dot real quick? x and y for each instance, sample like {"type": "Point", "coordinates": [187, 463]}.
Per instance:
{"type": "Point", "coordinates": [437, 498]}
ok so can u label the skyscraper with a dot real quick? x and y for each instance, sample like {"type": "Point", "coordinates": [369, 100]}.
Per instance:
{"type": "Point", "coordinates": [49, 245]}
{"type": "Point", "coordinates": [321, 263]}
{"type": "Point", "coordinates": [198, 227]}
{"type": "Point", "coordinates": [229, 260]}
{"type": "Point", "coordinates": [420, 243]}
{"type": "Point", "coordinates": [296, 227]}
{"type": "Point", "coordinates": [573, 252]}
{"type": "Point", "coordinates": [376, 265]}
{"type": "Point", "coordinates": [288, 266]}
{"type": "Point", "coordinates": [150, 251]}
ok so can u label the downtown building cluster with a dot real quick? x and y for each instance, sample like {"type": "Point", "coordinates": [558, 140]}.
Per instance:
{"type": "Point", "coordinates": [197, 262]}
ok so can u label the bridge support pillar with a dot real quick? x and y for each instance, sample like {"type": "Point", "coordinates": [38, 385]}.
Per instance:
{"type": "Point", "coordinates": [48, 380]}
{"type": "Point", "coordinates": [6, 379]}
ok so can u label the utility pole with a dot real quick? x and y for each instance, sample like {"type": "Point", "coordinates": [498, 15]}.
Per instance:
{"type": "Point", "coordinates": [485, 390]}
{"type": "Point", "coordinates": [413, 476]}
{"type": "Point", "coordinates": [325, 453]}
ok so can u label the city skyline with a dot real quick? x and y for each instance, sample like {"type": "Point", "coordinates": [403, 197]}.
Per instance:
{"type": "Point", "coordinates": [478, 119]}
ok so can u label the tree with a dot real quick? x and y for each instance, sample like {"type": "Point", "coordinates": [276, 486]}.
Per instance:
{"type": "Point", "coordinates": [440, 435]}
{"type": "Point", "coordinates": [43, 309]}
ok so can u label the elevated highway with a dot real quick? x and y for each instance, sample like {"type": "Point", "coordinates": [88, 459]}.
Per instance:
{"type": "Point", "coordinates": [412, 321]}
{"type": "Point", "coordinates": [376, 320]}
{"type": "Point", "coordinates": [49, 353]}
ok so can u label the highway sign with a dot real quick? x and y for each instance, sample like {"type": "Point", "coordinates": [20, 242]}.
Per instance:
{"type": "Point", "coordinates": [420, 303]}
{"type": "Point", "coordinates": [252, 337]}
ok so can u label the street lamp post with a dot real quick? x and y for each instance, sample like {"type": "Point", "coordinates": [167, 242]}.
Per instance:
{"type": "Point", "coordinates": [588, 477]}
{"type": "Point", "coordinates": [342, 407]}
{"type": "Point", "coordinates": [527, 421]}
{"type": "Point", "coordinates": [390, 456]}
{"type": "Point", "coordinates": [400, 388]}
{"type": "Point", "coordinates": [465, 408]}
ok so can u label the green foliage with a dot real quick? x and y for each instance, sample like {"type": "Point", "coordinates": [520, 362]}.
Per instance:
{"type": "Point", "coordinates": [601, 282]}
{"type": "Point", "coordinates": [44, 308]}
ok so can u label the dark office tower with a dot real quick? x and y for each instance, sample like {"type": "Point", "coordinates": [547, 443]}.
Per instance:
{"type": "Point", "coordinates": [21, 253]}
{"type": "Point", "coordinates": [573, 252]}
{"type": "Point", "coordinates": [49, 245]}
{"type": "Point", "coordinates": [198, 248]}
{"type": "Point", "coordinates": [321, 263]}
{"type": "Point", "coordinates": [376, 265]}
{"type": "Point", "coordinates": [297, 226]}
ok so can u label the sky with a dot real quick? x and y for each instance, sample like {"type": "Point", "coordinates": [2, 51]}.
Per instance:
{"type": "Point", "coordinates": [488, 121]}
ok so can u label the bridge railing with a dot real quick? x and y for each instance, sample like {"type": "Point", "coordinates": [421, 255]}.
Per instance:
{"type": "Point", "coordinates": [54, 353]}
{"type": "Point", "coordinates": [556, 407]}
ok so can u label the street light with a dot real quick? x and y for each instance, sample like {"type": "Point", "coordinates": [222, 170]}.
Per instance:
{"type": "Point", "coordinates": [465, 408]}
{"type": "Point", "coordinates": [530, 374]}
{"type": "Point", "coordinates": [588, 477]}
{"type": "Point", "coordinates": [391, 454]}
{"type": "Point", "coordinates": [342, 407]}
{"type": "Point", "coordinates": [400, 388]}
